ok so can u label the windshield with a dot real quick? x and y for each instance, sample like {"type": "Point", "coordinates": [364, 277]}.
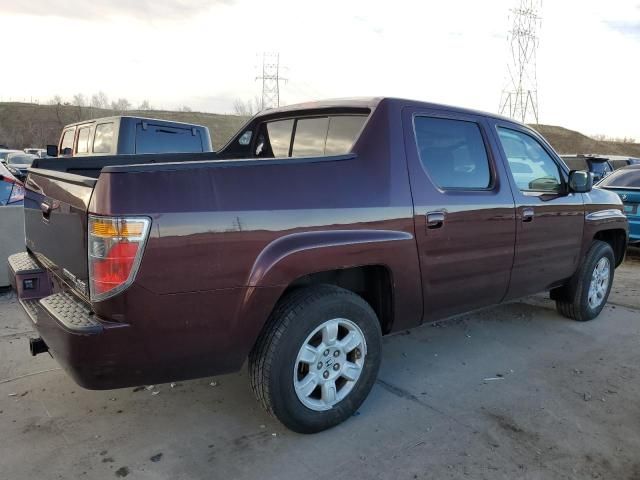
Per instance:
{"type": "Point", "coordinates": [21, 159]}
{"type": "Point", "coordinates": [623, 178]}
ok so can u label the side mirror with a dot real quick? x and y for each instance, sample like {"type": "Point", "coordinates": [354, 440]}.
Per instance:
{"type": "Point", "coordinates": [580, 181]}
{"type": "Point", "coordinates": [52, 150]}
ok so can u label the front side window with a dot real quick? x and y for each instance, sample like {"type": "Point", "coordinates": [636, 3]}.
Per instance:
{"type": "Point", "coordinates": [103, 139]}
{"type": "Point", "coordinates": [542, 174]}
{"type": "Point", "coordinates": [83, 140]}
{"type": "Point", "coordinates": [67, 142]}
{"type": "Point", "coordinates": [452, 152]}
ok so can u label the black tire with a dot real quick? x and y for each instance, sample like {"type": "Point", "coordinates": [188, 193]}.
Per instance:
{"type": "Point", "coordinates": [572, 300]}
{"type": "Point", "coordinates": [273, 358]}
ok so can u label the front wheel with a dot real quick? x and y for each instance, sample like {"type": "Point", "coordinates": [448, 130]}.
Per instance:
{"type": "Point", "coordinates": [586, 294]}
{"type": "Point", "coordinates": [317, 358]}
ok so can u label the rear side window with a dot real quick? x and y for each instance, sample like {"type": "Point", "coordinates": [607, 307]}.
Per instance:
{"type": "Point", "coordinates": [67, 140]}
{"type": "Point", "coordinates": [83, 140]}
{"type": "Point", "coordinates": [453, 153]}
{"type": "Point", "coordinates": [103, 139]}
{"type": "Point", "coordinates": [162, 139]}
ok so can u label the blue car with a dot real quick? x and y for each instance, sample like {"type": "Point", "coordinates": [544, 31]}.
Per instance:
{"type": "Point", "coordinates": [626, 183]}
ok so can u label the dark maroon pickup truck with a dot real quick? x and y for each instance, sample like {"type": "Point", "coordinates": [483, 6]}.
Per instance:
{"type": "Point", "coordinates": [316, 230]}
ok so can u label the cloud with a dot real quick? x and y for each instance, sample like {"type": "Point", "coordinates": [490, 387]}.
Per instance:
{"type": "Point", "coordinates": [97, 9]}
{"type": "Point", "coordinates": [631, 29]}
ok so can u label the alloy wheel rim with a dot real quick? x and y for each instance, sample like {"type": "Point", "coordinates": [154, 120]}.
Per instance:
{"type": "Point", "coordinates": [329, 364]}
{"type": "Point", "coordinates": [599, 283]}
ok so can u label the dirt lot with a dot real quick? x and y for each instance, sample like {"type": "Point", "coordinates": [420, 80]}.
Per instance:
{"type": "Point", "coordinates": [510, 392]}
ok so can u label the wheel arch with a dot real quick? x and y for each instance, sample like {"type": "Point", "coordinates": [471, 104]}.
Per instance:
{"type": "Point", "coordinates": [617, 239]}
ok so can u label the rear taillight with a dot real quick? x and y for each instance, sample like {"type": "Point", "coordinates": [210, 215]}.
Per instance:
{"type": "Point", "coordinates": [116, 245]}
{"type": "Point", "coordinates": [17, 193]}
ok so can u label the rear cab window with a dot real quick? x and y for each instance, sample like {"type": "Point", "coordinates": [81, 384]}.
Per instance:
{"type": "Point", "coordinates": [312, 136]}
{"type": "Point", "coordinates": [155, 138]}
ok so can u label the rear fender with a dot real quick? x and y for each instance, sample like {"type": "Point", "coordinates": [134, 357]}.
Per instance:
{"type": "Point", "coordinates": [293, 256]}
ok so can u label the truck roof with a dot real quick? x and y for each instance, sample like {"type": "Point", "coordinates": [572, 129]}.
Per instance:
{"type": "Point", "coordinates": [373, 102]}
{"type": "Point", "coordinates": [134, 118]}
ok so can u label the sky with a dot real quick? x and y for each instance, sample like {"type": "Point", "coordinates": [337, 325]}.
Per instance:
{"type": "Point", "coordinates": [207, 54]}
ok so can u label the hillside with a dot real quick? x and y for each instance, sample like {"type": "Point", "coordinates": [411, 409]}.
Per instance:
{"type": "Point", "coordinates": [569, 141]}
{"type": "Point", "coordinates": [29, 125]}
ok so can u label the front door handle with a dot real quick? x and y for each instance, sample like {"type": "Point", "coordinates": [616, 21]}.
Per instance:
{"type": "Point", "coordinates": [435, 220]}
{"type": "Point", "coordinates": [527, 214]}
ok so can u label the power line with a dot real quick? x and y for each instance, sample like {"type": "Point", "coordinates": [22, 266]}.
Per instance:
{"type": "Point", "coordinates": [520, 95]}
{"type": "Point", "coordinates": [270, 80]}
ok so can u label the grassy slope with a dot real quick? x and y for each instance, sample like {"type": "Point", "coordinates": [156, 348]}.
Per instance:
{"type": "Point", "coordinates": [28, 125]}
{"type": "Point", "coordinates": [569, 141]}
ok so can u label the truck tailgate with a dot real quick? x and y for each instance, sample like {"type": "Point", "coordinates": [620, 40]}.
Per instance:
{"type": "Point", "coordinates": [55, 209]}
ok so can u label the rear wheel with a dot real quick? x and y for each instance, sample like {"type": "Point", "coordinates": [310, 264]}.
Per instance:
{"type": "Point", "coordinates": [317, 358]}
{"type": "Point", "coordinates": [586, 294]}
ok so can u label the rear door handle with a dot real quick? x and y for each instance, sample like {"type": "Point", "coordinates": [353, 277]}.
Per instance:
{"type": "Point", "coordinates": [435, 220]}
{"type": "Point", "coordinates": [527, 214]}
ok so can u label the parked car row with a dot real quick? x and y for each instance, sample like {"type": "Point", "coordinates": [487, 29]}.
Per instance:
{"type": "Point", "coordinates": [599, 165]}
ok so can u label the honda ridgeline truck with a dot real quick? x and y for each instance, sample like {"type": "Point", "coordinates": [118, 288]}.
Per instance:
{"type": "Point", "coordinates": [316, 230]}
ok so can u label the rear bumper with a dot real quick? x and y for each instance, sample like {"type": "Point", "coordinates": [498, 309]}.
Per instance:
{"type": "Point", "coordinates": [164, 338]}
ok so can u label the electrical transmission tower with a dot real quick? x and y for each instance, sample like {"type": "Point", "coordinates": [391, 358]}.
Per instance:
{"type": "Point", "coordinates": [270, 80]}
{"type": "Point", "coordinates": [520, 95]}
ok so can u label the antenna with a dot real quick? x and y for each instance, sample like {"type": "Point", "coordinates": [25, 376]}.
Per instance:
{"type": "Point", "coordinates": [520, 95]}
{"type": "Point", "coordinates": [270, 80]}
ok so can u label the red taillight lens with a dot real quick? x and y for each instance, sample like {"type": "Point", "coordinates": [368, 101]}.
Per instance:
{"type": "Point", "coordinates": [17, 193]}
{"type": "Point", "coordinates": [115, 252]}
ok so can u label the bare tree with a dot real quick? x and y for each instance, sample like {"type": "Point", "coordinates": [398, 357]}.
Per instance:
{"type": "Point", "coordinates": [55, 100]}
{"type": "Point", "coordinates": [246, 108]}
{"type": "Point", "coordinates": [145, 106]}
{"type": "Point", "coordinates": [185, 108]}
{"type": "Point", "coordinates": [100, 100]}
{"type": "Point", "coordinates": [79, 100]}
{"type": "Point", "coordinates": [121, 105]}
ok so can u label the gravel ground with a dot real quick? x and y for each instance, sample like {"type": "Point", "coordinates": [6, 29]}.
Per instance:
{"type": "Point", "coordinates": [511, 392]}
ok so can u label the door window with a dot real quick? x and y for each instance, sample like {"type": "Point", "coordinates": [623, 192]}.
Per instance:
{"type": "Point", "coordinates": [453, 153]}
{"type": "Point", "coordinates": [532, 167]}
